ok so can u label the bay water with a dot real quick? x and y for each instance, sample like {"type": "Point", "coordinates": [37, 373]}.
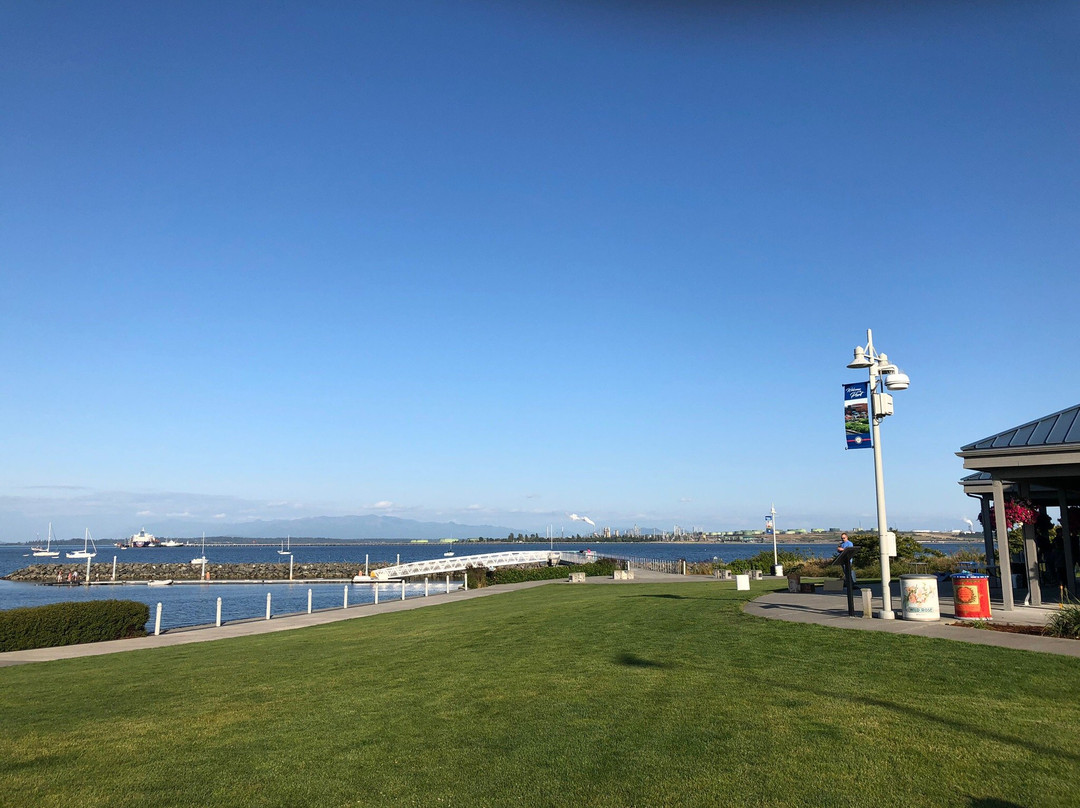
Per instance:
{"type": "Point", "coordinates": [193, 604]}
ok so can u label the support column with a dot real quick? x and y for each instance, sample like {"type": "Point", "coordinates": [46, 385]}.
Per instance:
{"type": "Point", "coordinates": [988, 529]}
{"type": "Point", "coordinates": [1066, 538]}
{"type": "Point", "coordinates": [1004, 562]}
{"type": "Point", "coordinates": [1031, 556]}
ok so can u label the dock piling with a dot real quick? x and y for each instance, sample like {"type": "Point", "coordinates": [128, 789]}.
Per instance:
{"type": "Point", "coordinates": [309, 601]}
{"type": "Point", "coordinates": [267, 605]}
{"type": "Point", "coordinates": [345, 605]}
{"type": "Point", "coordinates": [218, 621]}
{"type": "Point", "coordinates": [157, 621]}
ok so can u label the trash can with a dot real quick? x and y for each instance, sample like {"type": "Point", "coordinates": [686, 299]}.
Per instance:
{"type": "Point", "coordinates": [919, 596]}
{"type": "Point", "coordinates": [971, 596]}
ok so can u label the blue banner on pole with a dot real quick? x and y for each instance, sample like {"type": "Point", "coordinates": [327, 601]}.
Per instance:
{"type": "Point", "coordinates": [857, 415]}
{"type": "Point", "coordinates": [768, 526]}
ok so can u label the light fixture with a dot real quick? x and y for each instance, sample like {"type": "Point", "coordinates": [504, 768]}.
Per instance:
{"type": "Point", "coordinates": [861, 360]}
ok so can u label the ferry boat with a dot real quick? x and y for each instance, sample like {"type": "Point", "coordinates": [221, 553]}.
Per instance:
{"type": "Point", "coordinates": [143, 539]}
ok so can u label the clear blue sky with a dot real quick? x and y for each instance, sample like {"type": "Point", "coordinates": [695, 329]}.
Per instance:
{"type": "Point", "coordinates": [498, 262]}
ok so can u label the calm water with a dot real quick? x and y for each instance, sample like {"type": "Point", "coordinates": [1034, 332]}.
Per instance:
{"type": "Point", "coordinates": [196, 604]}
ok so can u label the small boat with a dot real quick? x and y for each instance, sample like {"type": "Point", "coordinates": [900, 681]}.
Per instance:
{"type": "Point", "coordinates": [166, 582]}
{"type": "Point", "coordinates": [172, 543]}
{"type": "Point", "coordinates": [46, 551]}
{"type": "Point", "coordinates": [202, 559]}
{"type": "Point", "coordinates": [286, 546]}
{"type": "Point", "coordinates": [448, 554]}
{"type": "Point", "coordinates": [88, 542]}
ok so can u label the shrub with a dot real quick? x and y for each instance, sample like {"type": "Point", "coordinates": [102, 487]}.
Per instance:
{"type": "Point", "coordinates": [71, 623]}
{"type": "Point", "coordinates": [476, 577]}
{"type": "Point", "coordinates": [517, 575]}
{"type": "Point", "coordinates": [1065, 623]}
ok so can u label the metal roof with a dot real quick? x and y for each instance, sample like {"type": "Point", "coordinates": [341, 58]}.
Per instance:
{"type": "Point", "coordinates": [1051, 430]}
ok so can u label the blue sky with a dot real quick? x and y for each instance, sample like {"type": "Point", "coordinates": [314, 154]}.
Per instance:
{"type": "Point", "coordinates": [499, 262]}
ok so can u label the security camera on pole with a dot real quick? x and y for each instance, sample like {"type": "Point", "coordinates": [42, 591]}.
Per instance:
{"type": "Point", "coordinates": [865, 406]}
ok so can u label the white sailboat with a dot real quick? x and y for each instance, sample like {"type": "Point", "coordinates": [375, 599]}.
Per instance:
{"type": "Point", "coordinates": [202, 559]}
{"type": "Point", "coordinates": [88, 542]}
{"type": "Point", "coordinates": [286, 546]}
{"type": "Point", "coordinates": [46, 551]}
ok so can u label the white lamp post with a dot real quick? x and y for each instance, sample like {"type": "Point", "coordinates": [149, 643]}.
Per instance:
{"type": "Point", "coordinates": [883, 375]}
{"type": "Point", "coordinates": [776, 568]}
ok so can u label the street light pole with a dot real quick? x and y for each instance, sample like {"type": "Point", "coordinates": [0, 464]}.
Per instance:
{"type": "Point", "coordinates": [883, 374]}
{"type": "Point", "coordinates": [879, 489]}
{"type": "Point", "coordinates": [775, 560]}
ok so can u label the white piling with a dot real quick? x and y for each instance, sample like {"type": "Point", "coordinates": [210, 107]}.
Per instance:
{"type": "Point", "coordinates": [157, 621]}
{"type": "Point", "coordinates": [218, 621]}
{"type": "Point", "coordinates": [267, 605]}
{"type": "Point", "coordinates": [465, 580]}
{"type": "Point", "coordinates": [376, 594]}
{"type": "Point", "coordinates": [403, 589]}
{"type": "Point", "coordinates": [366, 573]}
{"type": "Point", "coordinates": [448, 584]}
{"type": "Point", "coordinates": [396, 563]}
{"type": "Point", "coordinates": [114, 568]}
{"type": "Point", "coordinates": [88, 572]}
{"type": "Point", "coordinates": [309, 601]}
{"type": "Point", "coordinates": [290, 566]}
{"type": "Point", "coordinates": [345, 604]}
{"type": "Point", "coordinates": [425, 587]}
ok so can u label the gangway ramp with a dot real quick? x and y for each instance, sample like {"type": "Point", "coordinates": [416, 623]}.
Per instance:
{"type": "Point", "coordinates": [459, 563]}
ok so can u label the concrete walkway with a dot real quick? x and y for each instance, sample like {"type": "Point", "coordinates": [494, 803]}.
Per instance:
{"type": "Point", "coordinates": [246, 628]}
{"type": "Point", "coordinates": [827, 609]}
{"type": "Point", "coordinates": [830, 609]}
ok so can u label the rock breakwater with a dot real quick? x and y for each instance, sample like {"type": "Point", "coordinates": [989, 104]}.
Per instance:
{"type": "Point", "coordinates": [46, 573]}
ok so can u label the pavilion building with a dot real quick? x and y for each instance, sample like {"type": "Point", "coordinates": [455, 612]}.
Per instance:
{"type": "Point", "coordinates": [1038, 462]}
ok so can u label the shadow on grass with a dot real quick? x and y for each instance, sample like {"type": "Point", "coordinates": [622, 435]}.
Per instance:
{"type": "Point", "coordinates": [634, 661]}
{"type": "Point", "coordinates": [668, 596]}
{"type": "Point", "coordinates": [991, 802]}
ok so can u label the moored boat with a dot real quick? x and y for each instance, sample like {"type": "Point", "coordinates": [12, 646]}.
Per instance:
{"type": "Point", "coordinates": [88, 542]}
{"type": "Point", "coordinates": [46, 551]}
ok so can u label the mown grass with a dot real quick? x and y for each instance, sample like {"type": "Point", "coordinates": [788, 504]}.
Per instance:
{"type": "Point", "coordinates": [629, 695]}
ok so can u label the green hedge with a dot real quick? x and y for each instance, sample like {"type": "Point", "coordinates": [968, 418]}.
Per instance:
{"type": "Point", "coordinates": [516, 575]}
{"type": "Point", "coordinates": [72, 623]}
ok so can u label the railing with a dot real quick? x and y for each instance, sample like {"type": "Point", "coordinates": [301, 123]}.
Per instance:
{"type": "Point", "coordinates": [673, 566]}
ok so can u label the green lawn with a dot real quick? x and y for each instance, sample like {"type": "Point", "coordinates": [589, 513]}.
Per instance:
{"type": "Point", "coordinates": [629, 695]}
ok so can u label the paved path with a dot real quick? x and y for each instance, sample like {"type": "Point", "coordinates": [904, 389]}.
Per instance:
{"type": "Point", "coordinates": [829, 609]}
{"type": "Point", "coordinates": [246, 628]}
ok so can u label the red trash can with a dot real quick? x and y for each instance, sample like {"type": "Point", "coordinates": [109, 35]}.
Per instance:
{"type": "Point", "coordinates": [971, 596]}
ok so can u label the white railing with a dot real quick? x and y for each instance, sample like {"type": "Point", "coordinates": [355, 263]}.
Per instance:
{"type": "Point", "coordinates": [436, 566]}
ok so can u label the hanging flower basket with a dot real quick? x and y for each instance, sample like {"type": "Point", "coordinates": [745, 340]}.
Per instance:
{"type": "Point", "coordinates": [1017, 512]}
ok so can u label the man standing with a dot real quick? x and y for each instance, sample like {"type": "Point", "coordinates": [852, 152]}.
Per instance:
{"type": "Point", "coordinates": [845, 543]}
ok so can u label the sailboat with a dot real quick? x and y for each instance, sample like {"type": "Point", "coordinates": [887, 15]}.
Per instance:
{"type": "Point", "coordinates": [202, 559]}
{"type": "Point", "coordinates": [46, 551]}
{"type": "Point", "coordinates": [286, 546]}
{"type": "Point", "coordinates": [88, 542]}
